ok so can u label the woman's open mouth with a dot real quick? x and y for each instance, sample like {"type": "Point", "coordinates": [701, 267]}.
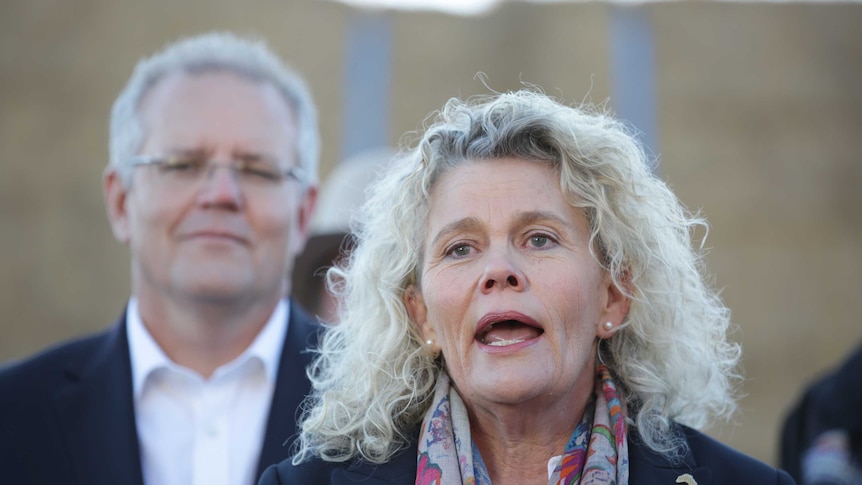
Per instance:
{"type": "Point", "coordinates": [507, 332]}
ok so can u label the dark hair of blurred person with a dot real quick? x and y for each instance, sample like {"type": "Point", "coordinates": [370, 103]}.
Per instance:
{"type": "Point", "coordinates": [330, 238]}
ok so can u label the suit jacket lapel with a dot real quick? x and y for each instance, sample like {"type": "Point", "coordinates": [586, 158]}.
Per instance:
{"type": "Point", "coordinates": [649, 468]}
{"type": "Point", "coordinates": [291, 387]}
{"type": "Point", "coordinates": [95, 414]}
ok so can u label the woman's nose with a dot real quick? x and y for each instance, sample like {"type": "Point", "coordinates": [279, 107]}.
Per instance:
{"type": "Point", "coordinates": [502, 272]}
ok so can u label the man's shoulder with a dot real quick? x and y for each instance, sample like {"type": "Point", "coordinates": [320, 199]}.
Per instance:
{"type": "Point", "coordinates": [303, 328]}
{"type": "Point", "coordinates": [43, 369]}
{"type": "Point", "coordinates": [300, 316]}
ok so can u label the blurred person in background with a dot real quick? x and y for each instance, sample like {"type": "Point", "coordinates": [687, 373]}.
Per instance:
{"type": "Point", "coordinates": [524, 305]}
{"type": "Point", "coordinates": [330, 238]}
{"type": "Point", "coordinates": [821, 439]}
{"type": "Point", "coordinates": [211, 184]}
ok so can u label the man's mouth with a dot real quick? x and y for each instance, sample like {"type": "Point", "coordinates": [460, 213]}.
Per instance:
{"type": "Point", "coordinates": [507, 332]}
{"type": "Point", "coordinates": [213, 235]}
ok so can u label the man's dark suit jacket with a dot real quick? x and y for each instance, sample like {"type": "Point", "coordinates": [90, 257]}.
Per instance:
{"type": "Point", "coordinates": [67, 415]}
{"type": "Point", "coordinates": [708, 462]}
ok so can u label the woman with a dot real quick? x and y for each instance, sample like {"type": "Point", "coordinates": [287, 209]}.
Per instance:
{"type": "Point", "coordinates": [523, 306]}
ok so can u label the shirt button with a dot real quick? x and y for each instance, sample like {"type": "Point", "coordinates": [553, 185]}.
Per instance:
{"type": "Point", "coordinates": [211, 431]}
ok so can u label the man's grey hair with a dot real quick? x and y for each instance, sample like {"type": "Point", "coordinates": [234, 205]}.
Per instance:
{"type": "Point", "coordinates": [214, 51]}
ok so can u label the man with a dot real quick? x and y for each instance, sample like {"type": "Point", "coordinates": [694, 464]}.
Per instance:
{"type": "Point", "coordinates": [211, 185]}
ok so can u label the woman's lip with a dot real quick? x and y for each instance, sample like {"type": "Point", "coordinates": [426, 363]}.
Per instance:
{"type": "Point", "coordinates": [494, 317]}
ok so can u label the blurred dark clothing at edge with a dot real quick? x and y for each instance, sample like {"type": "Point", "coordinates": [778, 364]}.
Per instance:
{"type": "Point", "coordinates": [821, 439]}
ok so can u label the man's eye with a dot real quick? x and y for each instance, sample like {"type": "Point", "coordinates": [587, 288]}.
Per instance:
{"type": "Point", "coordinates": [260, 171]}
{"type": "Point", "coordinates": [180, 165]}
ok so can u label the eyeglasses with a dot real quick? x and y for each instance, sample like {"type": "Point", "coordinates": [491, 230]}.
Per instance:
{"type": "Point", "coordinates": [250, 171]}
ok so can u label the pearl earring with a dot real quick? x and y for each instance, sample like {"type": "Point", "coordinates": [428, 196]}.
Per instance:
{"type": "Point", "coordinates": [429, 342]}
{"type": "Point", "coordinates": [608, 326]}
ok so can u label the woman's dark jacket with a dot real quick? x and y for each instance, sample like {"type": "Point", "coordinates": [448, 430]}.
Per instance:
{"type": "Point", "coordinates": [707, 461]}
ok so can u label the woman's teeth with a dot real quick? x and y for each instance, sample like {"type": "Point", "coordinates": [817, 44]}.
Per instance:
{"type": "Point", "coordinates": [502, 343]}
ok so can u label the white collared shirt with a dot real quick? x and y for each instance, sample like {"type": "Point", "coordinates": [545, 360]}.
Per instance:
{"type": "Point", "coordinates": [196, 431]}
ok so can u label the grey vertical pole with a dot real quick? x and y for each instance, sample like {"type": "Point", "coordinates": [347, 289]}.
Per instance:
{"type": "Point", "coordinates": [366, 87]}
{"type": "Point", "coordinates": [633, 91]}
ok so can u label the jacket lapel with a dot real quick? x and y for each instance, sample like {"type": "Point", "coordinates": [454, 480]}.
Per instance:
{"type": "Point", "coordinates": [95, 414]}
{"type": "Point", "coordinates": [291, 387]}
{"type": "Point", "coordinates": [649, 468]}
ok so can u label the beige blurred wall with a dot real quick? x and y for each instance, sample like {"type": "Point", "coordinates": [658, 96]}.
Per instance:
{"type": "Point", "coordinates": [759, 112]}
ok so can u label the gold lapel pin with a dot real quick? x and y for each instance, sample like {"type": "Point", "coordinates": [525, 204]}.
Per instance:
{"type": "Point", "coordinates": [687, 479]}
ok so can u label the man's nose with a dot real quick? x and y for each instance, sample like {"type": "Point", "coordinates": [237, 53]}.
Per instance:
{"type": "Point", "coordinates": [221, 187]}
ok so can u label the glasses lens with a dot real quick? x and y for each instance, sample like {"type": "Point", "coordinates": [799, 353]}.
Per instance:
{"type": "Point", "coordinates": [259, 170]}
{"type": "Point", "coordinates": [183, 166]}
{"type": "Point", "coordinates": [190, 168]}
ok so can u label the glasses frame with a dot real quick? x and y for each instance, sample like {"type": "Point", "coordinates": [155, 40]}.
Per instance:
{"type": "Point", "coordinates": [296, 173]}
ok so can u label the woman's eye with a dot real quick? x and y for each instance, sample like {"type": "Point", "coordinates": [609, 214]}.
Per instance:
{"type": "Point", "coordinates": [540, 240]}
{"type": "Point", "coordinates": [458, 251]}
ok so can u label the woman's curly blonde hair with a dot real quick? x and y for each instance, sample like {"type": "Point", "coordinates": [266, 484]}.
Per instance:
{"type": "Point", "coordinates": [373, 380]}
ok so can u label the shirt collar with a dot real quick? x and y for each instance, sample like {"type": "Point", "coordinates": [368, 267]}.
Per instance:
{"type": "Point", "coordinates": [146, 355]}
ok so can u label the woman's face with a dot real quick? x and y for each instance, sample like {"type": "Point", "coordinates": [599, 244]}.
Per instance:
{"type": "Point", "coordinates": [510, 293]}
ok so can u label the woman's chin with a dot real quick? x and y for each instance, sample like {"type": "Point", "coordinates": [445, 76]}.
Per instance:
{"type": "Point", "coordinates": [506, 386]}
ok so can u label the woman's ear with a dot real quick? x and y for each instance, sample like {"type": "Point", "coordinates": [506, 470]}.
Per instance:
{"type": "Point", "coordinates": [418, 312]}
{"type": "Point", "coordinates": [614, 308]}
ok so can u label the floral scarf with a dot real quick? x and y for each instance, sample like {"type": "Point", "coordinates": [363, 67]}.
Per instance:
{"type": "Point", "coordinates": [596, 453]}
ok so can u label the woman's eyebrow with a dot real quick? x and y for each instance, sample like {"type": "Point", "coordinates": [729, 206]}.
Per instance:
{"type": "Point", "coordinates": [533, 217]}
{"type": "Point", "coordinates": [461, 225]}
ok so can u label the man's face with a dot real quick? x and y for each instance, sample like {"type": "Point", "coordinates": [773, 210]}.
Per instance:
{"type": "Point", "coordinates": [215, 239]}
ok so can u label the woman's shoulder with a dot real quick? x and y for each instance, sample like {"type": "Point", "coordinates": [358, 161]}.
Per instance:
{"type": "Point", "coordinates": [706, 457]}
{"type": "Point", "coordinates": [313, 471]}
{"type": "Point", "coordinates": [732, 463]}
{"type": "Point", "coordinates": [401, 468]}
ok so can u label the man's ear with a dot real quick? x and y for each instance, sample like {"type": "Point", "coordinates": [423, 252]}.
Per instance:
{"type": "Point", "coordinates": [306, 207]}
{"type": "Point", "coordinates": [418, 312]}
{"type": "Point", "coordinates": [304, 213]}
{"type": "Point", "coordinates": [615, 307]}
{"type": "Point", "coordinates": [115, 193]}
